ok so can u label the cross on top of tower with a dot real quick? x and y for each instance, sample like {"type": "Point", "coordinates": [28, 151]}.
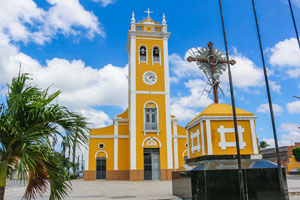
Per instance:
{"type": "Point", "coordinates": [148, 11]}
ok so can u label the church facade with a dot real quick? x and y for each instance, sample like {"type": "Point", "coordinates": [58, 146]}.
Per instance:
{"type": "Point", "coordinates": [145, 142]}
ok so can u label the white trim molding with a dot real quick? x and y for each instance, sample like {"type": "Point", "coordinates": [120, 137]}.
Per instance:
{"type": "Point", "coordinates": [223, 144]}
{"type": "Point", "coordinates": [195, 147]}
{"type": "Point", "coordinates": [202, 137]}
{"type": "Point", "coordinates": [116, 144]}
{"type": "Point", "coordinates": [184, 153]}
{"type": "Point", "coordinates": [188, 142]}
{"type": "Point", "coordinates": [175, 144]}
{"type": "Point", "coordinates": [219, 118]}
{"type": "Point", "coordinates": [101, 151]}
{"type": "Point", "coordinates": [167, 102]}
{"type": "Point", "coordinates": [157, 119]}
{"type": "Point", "coordinates": [151, 139]}
{"type": "Point", "coordinates": [150, 92]}
{"type": "Point", "coordinates": [159, 49]}
{"type": "Point", "coordinates": [253, 135]}
{"type": "Point", "coordinates": [180, 136]}
{"type": "Point", "coordinates": [108, 136]}
{"type": "Point", "coordinates": [139, 55]}
{"type": "Point", "coordinates": [208, 135]}
{"type": "Point", "coordinates": [132, 103]}
{"type": "Point", "coordinates": [142, 38]}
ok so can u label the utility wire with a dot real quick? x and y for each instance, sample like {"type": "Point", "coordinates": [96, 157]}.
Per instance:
{"type": "Point", "coordinates": [282, 185]}
{"type": "Point", "coordinates": [294, 21]}
{"type": "Point", "coordinates": [243, 196]}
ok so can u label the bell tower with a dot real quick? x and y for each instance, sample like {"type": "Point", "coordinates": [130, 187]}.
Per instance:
{"type": "Point", "coordinates": [149, 97]}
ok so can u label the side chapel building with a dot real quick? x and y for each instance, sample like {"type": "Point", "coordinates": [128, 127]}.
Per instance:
{"type": "Point", "coordinates": [145, 142]}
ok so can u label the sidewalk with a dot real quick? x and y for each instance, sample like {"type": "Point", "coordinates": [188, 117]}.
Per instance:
{"type": "Point", "coordinates": [126, 190]}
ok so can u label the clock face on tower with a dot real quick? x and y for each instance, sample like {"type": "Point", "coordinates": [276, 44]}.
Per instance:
{"type": "Point", "coordinates": [149, 78]}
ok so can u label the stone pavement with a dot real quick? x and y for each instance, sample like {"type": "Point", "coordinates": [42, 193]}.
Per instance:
{"type": "Point", "coordinates": [294, 186]}
{"type": "Point", "coordinates": [106, 190]}
{"type": "Point", "coordinates": [109, 190]}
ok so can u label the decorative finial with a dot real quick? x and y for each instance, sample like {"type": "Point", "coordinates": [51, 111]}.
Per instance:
{"type": "Point", "coordinates": [132, 17]}
{"type": "Point", "coordinates": [164, 19]}
{"type": "Point", "coordinates": [148, 11]}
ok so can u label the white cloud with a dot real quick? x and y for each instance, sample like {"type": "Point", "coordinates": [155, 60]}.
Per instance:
{"type": "Point", "coordinates": [182, 113]}
{"type": "Point", "coordinates": [22, 20]}
{"type": "Point", "coordinates": [182, 68]}
{"type": "Point", "coordinates": [275, 87]}
{"type": "Point", "coordinates": [105, 3]}
{"type": "Point", "coordinates": [293, 107]}
{"type": "Point", "coordinates": [264, 108]}
{"type": "Point", "coordinates": [245, 73]}
{"type": "Point", "coordinates": [285, 139]}
{"type": "Point", "coordinates": [285, 55]}
{"type": "Point", "coordinates": [183, 107]}
{"type": "Point", "coordinates": [289, 127]}
{"type": "Point", "coordinates": [296, 2]}
{"type": "Point", "coordinates": [83, 87]}
{"type": "Point", "coordinates": [96, 118]}
{"type": "Point", "coordinates": [290, 139]}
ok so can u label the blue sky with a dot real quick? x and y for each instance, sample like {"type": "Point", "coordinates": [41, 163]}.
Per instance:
{"type": "Point", "coordinates": [80, 48]}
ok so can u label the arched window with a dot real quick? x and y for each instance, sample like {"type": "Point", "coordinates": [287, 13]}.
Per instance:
{"type": "Point", "coordinates": [156, 56]}
{"type": "Point", "coordinates": [143, 54]}
{"type": "Point", "coordinates": [151, 116]}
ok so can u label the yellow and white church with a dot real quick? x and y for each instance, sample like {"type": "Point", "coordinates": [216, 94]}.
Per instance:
{"type": "Point", "coordinates": [145, 142]}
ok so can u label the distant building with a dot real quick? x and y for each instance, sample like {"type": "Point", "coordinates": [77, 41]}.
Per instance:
{"type": "Point", "coordinates": [286, 157]}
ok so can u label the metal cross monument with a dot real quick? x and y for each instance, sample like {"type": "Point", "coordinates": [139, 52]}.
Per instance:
{"type": "Point", "coordinates": [213, 63]}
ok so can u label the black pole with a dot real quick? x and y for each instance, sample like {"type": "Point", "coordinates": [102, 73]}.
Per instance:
{"type": "Point", "coordinates": [271, 107]}
{"type": "Point", "coordinates": [243, 196]}
{"type": "Point", "coordinates": [294, 21]}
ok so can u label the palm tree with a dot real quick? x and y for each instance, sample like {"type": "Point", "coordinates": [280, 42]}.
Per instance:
{"type": "Point", "coordinates": [29, 120]}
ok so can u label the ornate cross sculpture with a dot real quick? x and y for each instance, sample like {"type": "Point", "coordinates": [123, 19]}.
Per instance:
{"type": "Point", "coordinates": [148, 11]}
{"type": "Point", "coordinates": [213, 63]}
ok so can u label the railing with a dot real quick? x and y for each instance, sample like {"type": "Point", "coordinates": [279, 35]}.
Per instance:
{"type": "Point", "coordinates": [157, 28]}
{"type": "Point", "coordinates": [141, 27]}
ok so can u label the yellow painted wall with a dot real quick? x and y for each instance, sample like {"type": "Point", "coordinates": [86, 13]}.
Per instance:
{"type": "Point", "coordinates": [123, 129]}
{"type": "Point", "coordinates": [141, 99]}
{"type": "Point", "coordinates": [181, 145]}
{"type": "Point", "coordinates": [229, 137]}
{"type": "Point", "coordinates": [124, 115]}
{"type": "Point", "coordinates": [109, 149]}
{"type": "Point", "coordinates": [194, 130]}
{"type": "Point", "coordinates": [124, 154]}
{"type": "Point", "coordinates": [155, 67]}
{"type": "Point", "coordinates": [293, 164]}
{"type": "Point", "coordinates": [109, 130]}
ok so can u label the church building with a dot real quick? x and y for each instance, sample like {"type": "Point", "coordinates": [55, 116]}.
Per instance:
{"type": "Point", "coordinates": [145, 142]}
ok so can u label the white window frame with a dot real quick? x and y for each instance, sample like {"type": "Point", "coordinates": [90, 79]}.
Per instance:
{"type": "Point", "coordinates": [157, 119]}
{"type": "Point", "coordinates": [159, 55]}
{"type": "Point", "coordinates": [142, 45]}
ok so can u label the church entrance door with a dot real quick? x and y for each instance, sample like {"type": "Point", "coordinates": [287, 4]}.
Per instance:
{"type": "Point", "coordinates": [101, 168]}
{"type": "Point", "coordinates": [151, 164]}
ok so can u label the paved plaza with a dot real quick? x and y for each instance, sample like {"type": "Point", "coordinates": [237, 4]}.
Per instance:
{"type": "Point", "coordinates": [149, 190]}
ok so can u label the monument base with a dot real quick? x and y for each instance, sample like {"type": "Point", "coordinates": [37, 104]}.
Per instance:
{"type": "Point", "coordinates": [216, 177]}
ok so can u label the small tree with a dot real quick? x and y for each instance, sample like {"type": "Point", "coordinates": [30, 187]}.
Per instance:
{"type": "Point", "coordinates": [296, 153]}
{"type": "Point", "coordinates": [263, 144]}
{"type": "Point", "coordinates": [29, 121]}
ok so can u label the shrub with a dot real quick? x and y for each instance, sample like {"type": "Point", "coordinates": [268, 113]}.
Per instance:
{"type": "Point", "coordinates": [296, 153]}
